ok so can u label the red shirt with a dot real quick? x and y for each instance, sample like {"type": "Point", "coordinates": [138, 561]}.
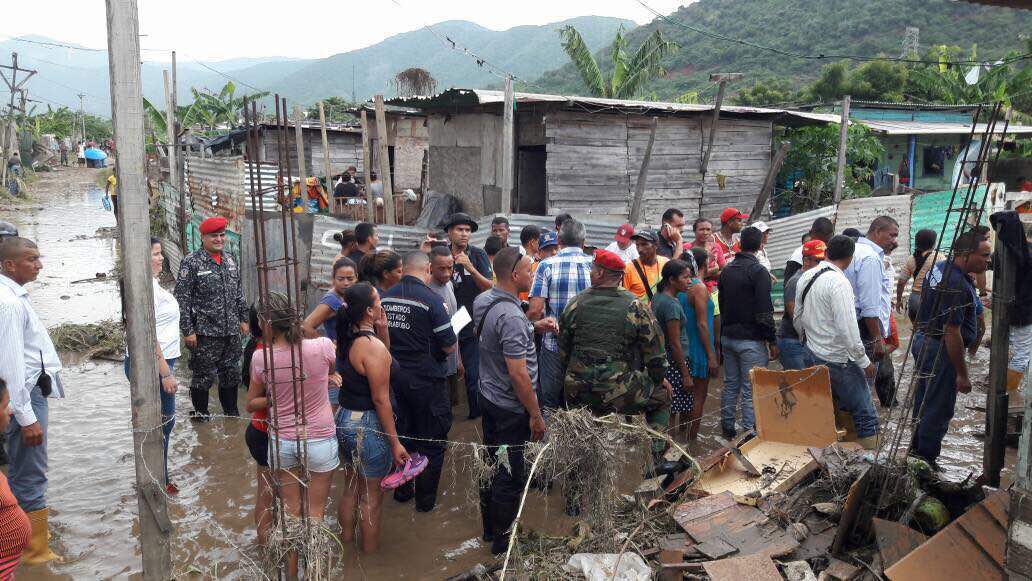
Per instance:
{"type": "Point", "coordinates": [15, 530]}
{"type": "Point", "coordinates": [216, 257]}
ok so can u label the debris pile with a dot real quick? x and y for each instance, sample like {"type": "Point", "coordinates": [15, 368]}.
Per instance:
{"type": "Point", "coordinates": [104, 340]}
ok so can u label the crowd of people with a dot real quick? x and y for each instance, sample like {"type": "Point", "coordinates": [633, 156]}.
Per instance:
{"type": "Point", "coordinates": [366, 382]}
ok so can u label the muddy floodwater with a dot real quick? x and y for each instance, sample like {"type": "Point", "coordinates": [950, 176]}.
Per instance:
{"type": "Point", "coordinates": [92, 496]}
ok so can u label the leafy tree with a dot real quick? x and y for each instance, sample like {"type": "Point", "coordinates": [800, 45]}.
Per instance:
{"type": "Point", "coordinates": [832, 83]}
{"type": "Point", "coordinates": [814, 153]}
{"type": "Point", "coordinates": [878, 81]}
{"type": "Point", "coordinates": [336, 110]}
{"type": "Point", "coordinates": [210, 111]}
{"type": "Point", "coordinates": [768, 92]}
{"type": "Point", "coordinates": [947, 83]}
{"type": "Point", "coordinates": [629, 74]}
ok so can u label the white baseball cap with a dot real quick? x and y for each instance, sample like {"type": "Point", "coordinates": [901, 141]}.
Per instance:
{"type": "Point", "coordinates": [761, 226]}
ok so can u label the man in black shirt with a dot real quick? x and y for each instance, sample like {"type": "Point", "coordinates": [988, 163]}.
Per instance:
{"type": "Point", "coordinates": [671, 243]}
{"type": "Point", "coordinates": [421, 339]}
{"type": "Point", "coordinates": [747, 331]}
{"type": "Point", "coordinates": [346, 188]}
{"type": "Point", "coordinates": [472, 276]}
{"type": "Point", "coordinates": [946, 324]}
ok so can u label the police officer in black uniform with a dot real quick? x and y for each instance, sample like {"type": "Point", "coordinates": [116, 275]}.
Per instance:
{"type": "Point", "coordinates": [421, 338]}
{"type": "Point", "coordinates": [213, 315]}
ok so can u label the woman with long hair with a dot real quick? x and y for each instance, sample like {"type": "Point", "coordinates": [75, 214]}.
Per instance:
{"type": "Point", "coordinates": [296, 374]}
{"type": "Point", "coordinates": [365, 421]}
{"type": "Point", "coordinates": [676, 275]}
{"type": "Point", "coordinates": [325, 314]}
{"type": "Point", "coordinates": [381, 269]}
{"type": "Point", "coordinates": [698, 306]}
{"type": "Point", "coordinates": [916, 267]}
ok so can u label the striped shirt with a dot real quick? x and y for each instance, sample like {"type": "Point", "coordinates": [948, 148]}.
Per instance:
{"type": "Point", "coordinates": [15, 531]}
{"type": "Point", "coordinates": [558, 279]}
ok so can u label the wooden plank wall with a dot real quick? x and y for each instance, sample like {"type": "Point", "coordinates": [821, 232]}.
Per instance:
{"type": "Point", "coordinates": [594, 160]}
{"type": "Point", "coordinates": [345, 150]}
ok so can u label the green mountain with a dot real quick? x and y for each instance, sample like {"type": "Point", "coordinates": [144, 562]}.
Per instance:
{"type": "Point", "coordinates": [526, 51]}
{"type": "Point", "coordinates": [810, 27]}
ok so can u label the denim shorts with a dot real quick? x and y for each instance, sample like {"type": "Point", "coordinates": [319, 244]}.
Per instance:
{"type": "Point", "coordinates": [363, 444]}
{"type": "Point", "coordinates": [334, 395]}
{"type": "Point", "coordinates": [322, 454]}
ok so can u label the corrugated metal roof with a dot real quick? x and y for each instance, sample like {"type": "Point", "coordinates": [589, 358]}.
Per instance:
{"type": "Point", "coordinates": [926, 128]}
{"type": "Point", "coordinates": [858, 213]}
{"type": "Point", "coordinates": [459, 97]}
{"type": "Point", "coordinates": [786, 234]}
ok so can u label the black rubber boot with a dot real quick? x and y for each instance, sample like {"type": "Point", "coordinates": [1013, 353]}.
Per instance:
{"type": "Point", "coordinates": [485, 513]}
{"type": "Point", "coordinates": [502, 514]}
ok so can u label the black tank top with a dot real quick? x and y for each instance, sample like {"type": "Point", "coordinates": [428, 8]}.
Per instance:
{"type": "Point", "coordinates": [355, 393]}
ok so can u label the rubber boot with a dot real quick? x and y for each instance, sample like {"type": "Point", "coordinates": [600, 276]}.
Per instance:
{"type": "Point", "coordinates": [869, 443]}
{"type": "Point", "coordinates": [503, 514]}
{"type": "Point", "coordinates": [485, 513]}
{"type": "Point", "coordinates": [38, 551]}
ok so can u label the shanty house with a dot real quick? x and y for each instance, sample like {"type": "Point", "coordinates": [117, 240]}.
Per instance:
{"type": "Point", "coordinates": [583, 154]}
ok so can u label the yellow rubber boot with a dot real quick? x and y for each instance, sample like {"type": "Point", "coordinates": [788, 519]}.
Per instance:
{"type": "Point", "coordinates": [38, 551]}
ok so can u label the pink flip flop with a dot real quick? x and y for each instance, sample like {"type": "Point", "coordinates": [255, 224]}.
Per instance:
{"type": "Point", "coordinates": [412, 468]}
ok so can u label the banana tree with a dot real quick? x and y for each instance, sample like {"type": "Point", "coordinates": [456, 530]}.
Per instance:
{"type": "Point", "coordinates": [629, 74]}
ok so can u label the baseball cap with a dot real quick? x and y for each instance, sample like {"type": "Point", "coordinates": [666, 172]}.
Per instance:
{"type": "Point", "coordinates": [624, 233]}
{"type": "Point", "coordinates": [646, 235]}
{"type": "Point", "coordinates": [761, 226]}
{"type": "Point", "coordinates": [730, 214]}
{"type": "Point", "coordinates": [815, 249]}
{"type": "Point", "coordinates": [548, 239]}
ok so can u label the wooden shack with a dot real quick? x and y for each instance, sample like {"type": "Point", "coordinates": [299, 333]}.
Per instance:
{"type": "Point", "coordinates": [583, 154]}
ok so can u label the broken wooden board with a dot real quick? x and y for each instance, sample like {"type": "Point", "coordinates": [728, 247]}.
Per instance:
{"type": "Point", "coordinates": [790, 462]}
{"type": "Point", "coordinates": [841, 570]}
{"type": "Point", "coordinates": [794, 407]}
{"type": "Point", "coordinates": [851, 509]}
{"type": "Point", "coordinates": [970, 548]}
{"type": "Point", "coordinates": [895, 540]}
{"type": "Point", "coordinates": [717, 548]}
{"type": "Point", "coordinates": [746, 568]}
{"type": "Point", "coordinates": [744, 527]}
{"type": "Point", "coordinates": [649, 490]}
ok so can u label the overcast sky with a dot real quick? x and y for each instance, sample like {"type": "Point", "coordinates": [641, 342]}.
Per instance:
{"type": "Point", "coordinates": [223, 29]}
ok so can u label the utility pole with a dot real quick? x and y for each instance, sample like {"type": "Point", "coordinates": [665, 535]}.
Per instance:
{"type": "Point", "coordinates": [180, 174]}
{"type": "Point", "coordinates": [385, 161]}
{"type": "Point", "coordinates": [170, 128]}
{"type": "Point", "coordinates": [508, 146]}
{"type": "Point", "coordinates": [82, 117]}
{"type": "Point", "coordinates": [1005, 275]}
{"type": "Point", "coordinates": [843, 142]}
{"type": "Point", "coordinates": [366, 168]}
{"type": "Point", "coordinates": [10, 137]}
{"type": "Point", "coordinates": [326, 152]}
{"type": "Point", "coordinates": [723, 79]}
{"type": "Point", "coordinates": [138, 295]}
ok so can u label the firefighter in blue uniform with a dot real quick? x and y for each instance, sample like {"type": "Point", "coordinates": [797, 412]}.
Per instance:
{"type": "Point", "coordinates": [421, 338]}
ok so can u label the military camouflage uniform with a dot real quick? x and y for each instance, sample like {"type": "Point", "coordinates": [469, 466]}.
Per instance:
{"type": "Point", "coordinates": [612, 356]}
{"type": "Point", "coordinates": [211, 300]}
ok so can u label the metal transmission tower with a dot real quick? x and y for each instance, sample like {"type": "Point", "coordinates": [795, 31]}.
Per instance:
{"type": "Point", "coordinates": [910, 42]}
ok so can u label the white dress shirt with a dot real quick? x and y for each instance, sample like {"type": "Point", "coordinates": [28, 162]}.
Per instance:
{"type": "Point", "coordinates": [826, 318]}
{"type": "Point", "coordinates": [166, 322]}
{"type": "Point", "coordinates": [872, 285]}
{"type": "Point", "coordinates": [26, 350]}
{"type": "Point", "coordinates": [627, 254]}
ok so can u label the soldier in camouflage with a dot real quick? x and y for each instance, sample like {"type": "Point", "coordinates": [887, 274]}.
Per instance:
{"type": "Point", "coordinates": [214, 314]}
{"type": "Point", "coordinates": [611, 349]}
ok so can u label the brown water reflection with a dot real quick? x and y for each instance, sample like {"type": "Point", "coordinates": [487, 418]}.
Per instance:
{"type": "Point", "coordinates": [91, 467]}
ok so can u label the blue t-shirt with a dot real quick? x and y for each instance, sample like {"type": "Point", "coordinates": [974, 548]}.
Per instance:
{"type": "Point", "coordinates": [420, 327]}
{"type": "Point", "coordinates": [331, 299]}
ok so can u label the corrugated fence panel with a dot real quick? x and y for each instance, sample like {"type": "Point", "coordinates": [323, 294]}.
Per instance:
{"type": "Point", "coordinates": [168, 200]}
{"type": "Point", "coordinates": [216, 188]}
{"type": "Point", "coordinates": [786, 234]}
{"type": "Point", "coordinates": [858, 213]}
{"type": "Point", "coordinates": [597, 232]}
{"type": "Point", "coordinates": [930, 211]}
{"type": "Point", "coordinates": [325, 248]}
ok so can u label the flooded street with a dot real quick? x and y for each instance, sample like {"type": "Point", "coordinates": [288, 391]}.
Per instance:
{"type": "Point", "coordinates": [92, 497]}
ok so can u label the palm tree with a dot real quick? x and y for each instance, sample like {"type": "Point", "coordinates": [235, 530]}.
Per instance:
{"type": "Point", "coordinates": [947, 83]}
{"type": "Point", "coordinates": [629, 75]}
{"type": "Point", "coordinates": [209, 110]}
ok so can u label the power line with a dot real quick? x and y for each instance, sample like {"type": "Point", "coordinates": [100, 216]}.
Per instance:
{"type": "Point", "coordinates": [213, 69]}
{"type": "Point", "coordinates": [821, 56]}
{"type": "Point", "coordinates": [75, 47]}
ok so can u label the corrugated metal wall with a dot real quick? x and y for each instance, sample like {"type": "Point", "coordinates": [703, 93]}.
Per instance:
{"type": "Point", "coordinates": [168, 200]}
{"type": "Point", "coordinates": [786, 234]}
{"type": "Point", "coordinates": [860, 212]}
{"type": "Point", "coordinates": [598, 232]}
{"type": "Point", "coordinates": [216, 186]}
{"type": "Point", "coordinates": [930, 211]}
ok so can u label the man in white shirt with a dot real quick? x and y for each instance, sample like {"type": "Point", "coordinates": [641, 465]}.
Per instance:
{"type": "Point", "coordinates": [825, 319]}
{"type": "Point", "coordinates": [30, 366]}
{"type": "Point", "coordinates": [872, 284]}
{"type": "Point", "coordinates": [622, 246]}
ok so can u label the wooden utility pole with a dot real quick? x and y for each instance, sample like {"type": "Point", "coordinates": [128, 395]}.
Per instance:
{"type": "Point", "coordinates": [508, 146]}
{"type": "Point", "coordinates": [170, 129]}
{"type": "Point", "coordinates": [635, 215]}
{"type": "Point", "coordinates": [1005, 266]}
{"type": "Point", "coordinates": [768, 180]}
{"type": "Point", "coordinates": [180, 175]}
{"type": "Point", "coordinates": [723, 79]}
{"type": "Point", "coordinates": [138, 293]}
{"type": "Point", "coordinates": [843, 142]}
{"type": "Point", "coordinates": [9, 139]}
{"type": "Point", "coordinates": [299, 138]}
{"type": "Point", "coordinates": [385, 162]}
{"type": "Point", "coordinates": [326, 151]}
{"type": "Point", "coordinates": [366, 170]}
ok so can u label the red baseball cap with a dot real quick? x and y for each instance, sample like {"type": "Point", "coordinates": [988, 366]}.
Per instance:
{"type": "Point", "coordinates": [609, 260]}
{"type": "Point", "coordinates": [213, 224]}
{"type": "Point", "coordinates": [624, 233]}
{"type": "Point", "coordinates": [730, 214]}
{"type": "Point", "coordinates": [815, 249]}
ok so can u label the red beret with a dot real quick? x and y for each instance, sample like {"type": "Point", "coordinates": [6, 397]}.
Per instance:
{"type": "Point", "coordinates": [214, 224]}
{"type": "Point", "coordinates": [609, 260]}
